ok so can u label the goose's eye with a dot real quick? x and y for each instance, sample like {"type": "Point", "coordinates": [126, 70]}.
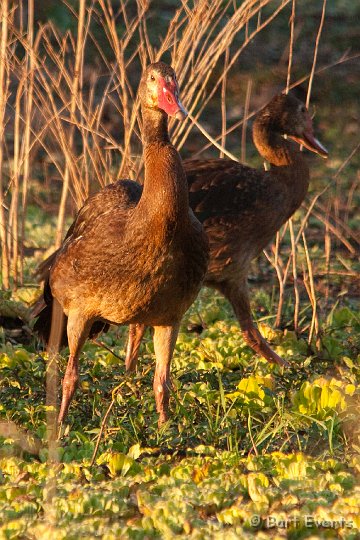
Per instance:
{"type": "Point", "coordinates": [303, 109]}
{"type": "Point", "coordinates": [152, 78]}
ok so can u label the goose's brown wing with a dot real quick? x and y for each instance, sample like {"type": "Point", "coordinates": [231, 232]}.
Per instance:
{"type": "Point", "coordinates": [221, 188]}
{"type": "Point", "coordinates": [115, 198]}
{"type": "Point", "coordinates": [241, 209]}
{"type": "Point", "coordinates": [121, 195]}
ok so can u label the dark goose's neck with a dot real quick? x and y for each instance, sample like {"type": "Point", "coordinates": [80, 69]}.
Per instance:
{"type": "Point", "coordinates": [165, 199]}
{"type": "Point", "coordinates": [271, 144]}
{"type": "Point", "coordinates": [288, 164]}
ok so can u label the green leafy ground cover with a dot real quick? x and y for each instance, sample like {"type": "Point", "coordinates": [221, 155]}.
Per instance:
{"type": "Point", "coordinates": [250, 451]}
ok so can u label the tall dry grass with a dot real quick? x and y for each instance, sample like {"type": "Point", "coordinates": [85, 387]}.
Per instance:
{"type": "Point", "coordinates": [5, 263]}
{"type": "Point", "coordinates": [61, 93]}
{"type": "Point", "coordinates": [49, 113]}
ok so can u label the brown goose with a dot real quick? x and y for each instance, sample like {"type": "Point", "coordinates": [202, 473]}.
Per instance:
{"type": "Point", "coordinates": [242, 208]}
{"type": "Point", "coordinates": [134, 254]}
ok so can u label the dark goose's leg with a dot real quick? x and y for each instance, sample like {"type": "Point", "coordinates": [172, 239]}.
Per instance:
{"type": "Point", "coordinates": [238, 296]}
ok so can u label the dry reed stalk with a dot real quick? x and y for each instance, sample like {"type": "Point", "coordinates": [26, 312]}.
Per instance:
{"type": "Point", "coordinates": [47, 91]}
{"type": "Point", "coordinates": [75, 96]}
{"type": "Point", "coordinates": [291, 45]}
{"type": "Point", "coordinates": [282, 283]}
{"type": "Point", "coordinates": [245, 122]}
{"type": "Point", "coordinates": [229, 130]}
{"type": "Point", "coordinates": [48, 106]}
{"type": "Point", "coordinates": [310, 289]}
{"type": "Point", "coordinates": [335, 230]}
{"type": "Point", "coordinates": [102, 161]}
{"type": "Point", "coordinates": [128, 105]}
{"type": "Point", "coordinates": [29, 89]}
{"type": "Point", "coordinates": [327, 249]}
{"type": "Point", "coordinates": [314, 327]}
{"type": "Point", "coordinates": [317, 42]}
{"type": "Point", "coordinates": [223, 105]}
{"type": "Point", "coordinates": [277, 262]}
{"type": "Point", "coordinates": [119, 48]}
{"type": "Point", "coordinates": [281, 280]}
{"type": "Point", "coordinates": [102, 428]}
{"type": "Point", "coordinates": [341, 223]}
{"type": "Point", "coordinates": [211, 139]}
{"type": "Point", "coordinates": [5, 263]}
{"type": "Point", "coordinates": [350, 202]}
{"type": "Point", "coordinates": [13, 229]}
{"type": "Point", "coordinates": [295, 276]}
{"type": "Point", "coordinates": [193, 60]}
{"type": "Point", "coordinates": [52, 380]}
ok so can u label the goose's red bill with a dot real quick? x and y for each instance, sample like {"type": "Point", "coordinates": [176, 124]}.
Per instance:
{"type": "Point", "coordinates": [168, 98]}
{"type": "Point", "coordinates": [310, 142]}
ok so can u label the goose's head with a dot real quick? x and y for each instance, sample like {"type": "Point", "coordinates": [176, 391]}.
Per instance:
{"type": "Point", "coordinates": [159, 90]}
{"type": "Point", "coordinates": [286, 115]}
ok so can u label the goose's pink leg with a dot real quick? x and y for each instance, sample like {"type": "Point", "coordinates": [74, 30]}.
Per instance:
{"type": "Point", "coordinates": [136, 332]}
{"type": "Point", "coordinates": [164, 344]}
{"type": "Point", "coordinates": [68, 386]}
{"type": "Point", "coordinates": [78, 331]}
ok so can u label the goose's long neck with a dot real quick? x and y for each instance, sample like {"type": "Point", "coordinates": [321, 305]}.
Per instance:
{"type": "Point", "coordinates": [165, 197]}
{"type": "Point", "coordinates": [155, 127]}
{"type": "Point", "coordinates": [272, 146]}
{"type": "Point", "coordinates": [288, 164]}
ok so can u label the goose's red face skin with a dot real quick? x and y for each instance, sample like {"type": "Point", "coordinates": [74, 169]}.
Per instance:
{"type": "Point", "coordinates": [168, 97]}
